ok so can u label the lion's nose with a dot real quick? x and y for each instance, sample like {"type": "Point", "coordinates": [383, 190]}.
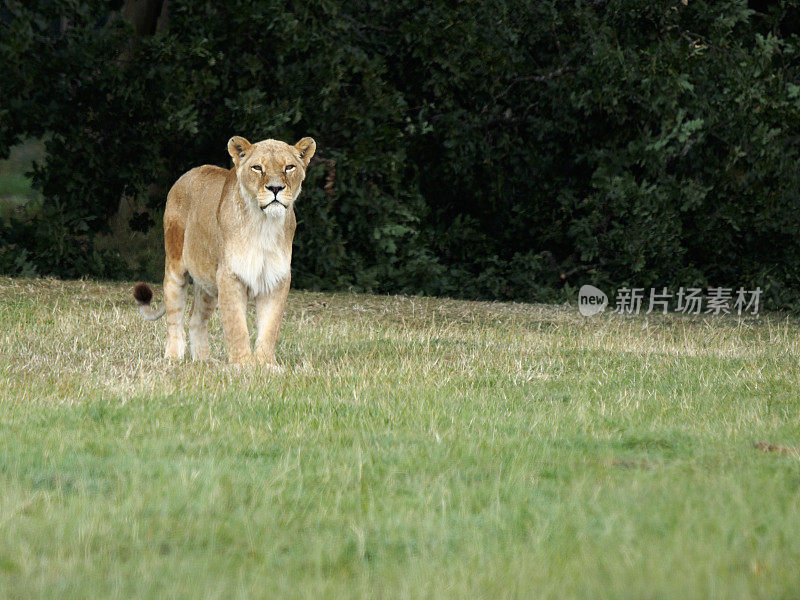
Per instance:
{"type": "Point", "coordinates": [275, 188]}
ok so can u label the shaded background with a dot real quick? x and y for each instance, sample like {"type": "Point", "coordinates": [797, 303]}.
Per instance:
{"type": "Point", "coordinates": [493, 149]}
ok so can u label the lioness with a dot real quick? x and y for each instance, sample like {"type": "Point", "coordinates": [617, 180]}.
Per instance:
{"type": "Point", "coordinates": [232, 231]}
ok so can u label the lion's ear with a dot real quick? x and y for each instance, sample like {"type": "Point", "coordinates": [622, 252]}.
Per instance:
{"type": "Point", "coordinates": [306, 148]}
{"type": "Point", "coordinates": [237, 148]}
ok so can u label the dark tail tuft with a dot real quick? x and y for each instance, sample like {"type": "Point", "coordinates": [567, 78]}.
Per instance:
{"type": "Point", "coordinates": [143, 293]}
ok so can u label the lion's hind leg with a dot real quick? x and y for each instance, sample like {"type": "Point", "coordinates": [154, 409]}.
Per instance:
{"type": "Point", "coordinates": [175, 283]}
{"type": "Point", "coordinates": [203, 306]}
{"type": "Point", "coordinates": [175, 288]}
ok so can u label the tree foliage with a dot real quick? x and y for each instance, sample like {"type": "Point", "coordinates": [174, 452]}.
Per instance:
{"type": "Point", "coordinates": [487, 149]}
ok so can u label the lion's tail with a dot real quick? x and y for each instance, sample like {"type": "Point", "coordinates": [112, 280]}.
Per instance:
{"type": "Point", "coordinates": [143, 295]}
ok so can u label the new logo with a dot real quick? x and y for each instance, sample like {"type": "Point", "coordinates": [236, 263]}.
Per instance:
{"type": "Point", "coordinates": [591, 300]}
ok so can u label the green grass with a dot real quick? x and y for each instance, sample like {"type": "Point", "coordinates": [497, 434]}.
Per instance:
{"type": "Point", "coordinates": [16, 195]}
{"type": "Point", "coordinates": [15, 187]}
{"type": "Point", "coordinates": [413, 448]}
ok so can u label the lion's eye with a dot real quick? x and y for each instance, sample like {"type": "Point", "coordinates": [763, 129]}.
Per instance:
{"type": "Point", "coordinates": [289, 168]}
{"type": "Point", "coordinates": [256, 168]}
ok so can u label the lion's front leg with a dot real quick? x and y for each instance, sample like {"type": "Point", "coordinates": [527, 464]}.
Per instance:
{"type": "Point", "coordinates": [269, 308]}
{"type": "Point", "coordinates": [233, 312]}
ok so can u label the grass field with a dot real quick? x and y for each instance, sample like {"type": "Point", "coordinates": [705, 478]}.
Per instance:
{"type": "Point", "coordinates": [413, 448]}
{"type": "Point", "coordinates": [15, 186]}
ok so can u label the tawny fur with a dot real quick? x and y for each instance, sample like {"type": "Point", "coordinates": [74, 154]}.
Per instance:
{"type": "Point", "coordinates": [232, 231]}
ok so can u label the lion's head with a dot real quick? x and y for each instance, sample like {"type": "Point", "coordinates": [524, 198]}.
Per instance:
{"type": "Point", "coordinates": [271, 172]}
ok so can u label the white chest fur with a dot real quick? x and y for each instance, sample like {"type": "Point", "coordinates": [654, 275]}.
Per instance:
{"type": "Point", "coordinates": [260, 257]}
